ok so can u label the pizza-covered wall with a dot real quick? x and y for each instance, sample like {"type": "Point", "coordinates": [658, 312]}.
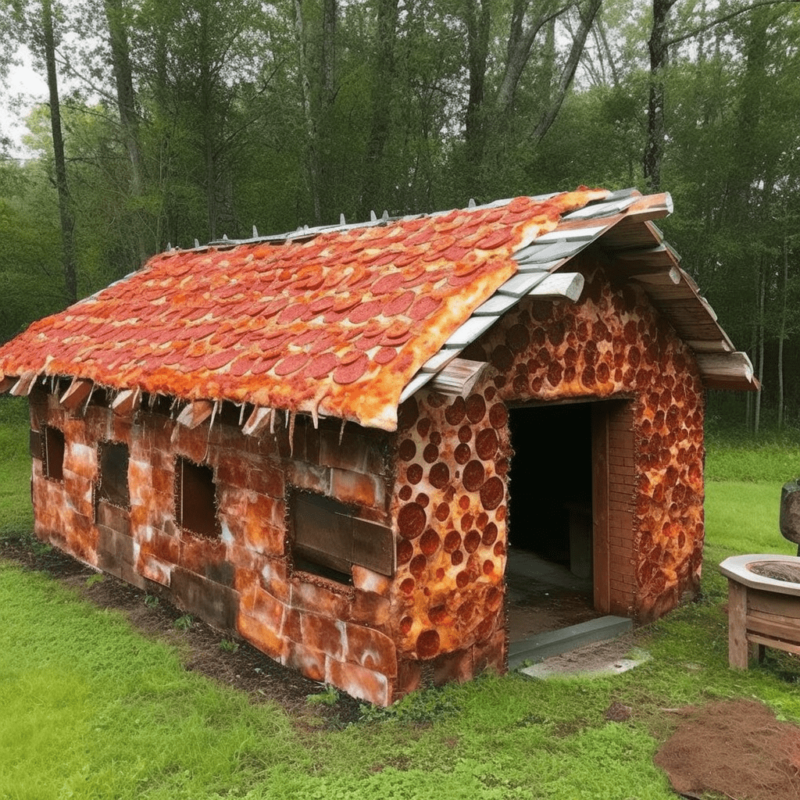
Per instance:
{"type": "Point", "coordinates": [450, 504]}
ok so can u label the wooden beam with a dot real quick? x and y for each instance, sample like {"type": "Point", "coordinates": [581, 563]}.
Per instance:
{"type": "Point", "coordinates": [257, 421]}
{"type": "Point", "coordinates": [195, 413]}
{"type": "Point", "coordinates": [458, 377]}
{"type": "Point", "coordinates": [24, 384]}
{"type": "Point", "coordinates": [7, 382]}
{"type": "Point", "coordinates": [661, 278]}
{"type": "Point", "coordinates": [78, 391]}
{"type": "Point", "coordinates": [710, 346]}
{"type": "Point", "coordinates": [559, 286]}
{"type": "Point", "coordinates": [126, 403]}
{"type": "Point", "coordinates": [727, 371]}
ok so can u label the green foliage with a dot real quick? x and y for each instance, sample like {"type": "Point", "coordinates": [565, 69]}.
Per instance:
{"type": "Point", "coordinates": [329, 696]}
{"type": "Point", "coordinates": [151, 601]}
{"type": "Point", "coordinates": [740, 456]}
{"type": "Point", "coordinates": [184, 622]}
{"type": "Point", "coordinates": [93, 579]}
{"type": "Point", "coordinates": [422, 707]}
{"type": "Point", "coordinates": [228, 646]}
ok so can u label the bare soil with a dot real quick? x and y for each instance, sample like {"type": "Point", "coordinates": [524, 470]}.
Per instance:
{"type": "Point", "coordinates": [734, 748]}
{"type": "Point", "coordinates": [202, 648]}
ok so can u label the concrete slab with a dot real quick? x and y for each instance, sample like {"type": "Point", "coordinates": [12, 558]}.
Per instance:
{"type": "Point", "coordinates": [544, 645]}
{"type": "Point", "coordinates": [615, 666]}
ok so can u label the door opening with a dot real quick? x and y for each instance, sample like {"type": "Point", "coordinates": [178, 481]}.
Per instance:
{"type": "Point", "coordinates": [551, 518]}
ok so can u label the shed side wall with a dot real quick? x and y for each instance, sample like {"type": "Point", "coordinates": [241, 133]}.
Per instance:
{"type": "Point", "coordinates": [243, 579]}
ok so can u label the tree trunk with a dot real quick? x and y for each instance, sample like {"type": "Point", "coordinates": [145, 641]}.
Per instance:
{"type": "Point", "coordinates": [126, 104]}
{"type": "Point", "coordinates": [374, 192]}
{"type": "Point", "coordinates": [659, 59]}
{"type": "Point", "coordinates": [762, 287]}
{"type": "Point", "coordinates": [64, 203]}
{"type": "Point", "coordinates": [568, 72]}
{"type": "Point", "coordinates": [478, 19]}
{"type": "Point", "coordinates": [782, 330]}
{"type": "Point", "coordinates": [312, 156]}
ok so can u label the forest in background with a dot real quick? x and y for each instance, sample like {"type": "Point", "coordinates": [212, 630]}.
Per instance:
{"type": "Point", "coordinates": [194, 119]}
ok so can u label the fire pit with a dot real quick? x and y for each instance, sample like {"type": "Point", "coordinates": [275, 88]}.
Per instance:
{"type": "Point", "coordinates": [763, 605]}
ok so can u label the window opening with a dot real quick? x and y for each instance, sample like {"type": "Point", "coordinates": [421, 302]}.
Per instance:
{"type": "Point", "coordinates": [53, 461]}
{"type": "Point", "coordinates": [328, 539]}
{"type": "Point", "coordinates": [196, 498]}
{"type": "Point", "coordinates": [113, 474]}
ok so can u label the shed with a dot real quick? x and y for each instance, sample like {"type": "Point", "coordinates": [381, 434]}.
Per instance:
{"type": "Point", "coordinates": [314, 439]}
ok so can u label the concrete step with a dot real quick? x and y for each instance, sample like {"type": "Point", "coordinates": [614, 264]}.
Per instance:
{"type": "Point", "coordinates": [553, 643]}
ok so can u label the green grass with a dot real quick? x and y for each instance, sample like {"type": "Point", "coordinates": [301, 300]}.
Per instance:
{"type": "Point", "coordinates": [91, 709]}
{"type": "Point", "coordinates": [16, 513]}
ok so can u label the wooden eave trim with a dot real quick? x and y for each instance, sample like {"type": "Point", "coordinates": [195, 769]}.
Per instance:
{"type": "Point", "coordinates": [78, 391]}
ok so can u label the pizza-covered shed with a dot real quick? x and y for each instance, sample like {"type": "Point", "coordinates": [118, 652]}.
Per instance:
{"type": "Point", "coordinates": [307, 439]}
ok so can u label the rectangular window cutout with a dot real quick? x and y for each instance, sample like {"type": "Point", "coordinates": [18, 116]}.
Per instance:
{"type": "Point", "coordinates": [195, 498]}
{"type": "Point", "coordinates": [35, 445]}
{"type": "Point", "coordinates": [53, 462]}
{"type": "Point", "coordinates": [329, 539]}
{"type": "Point", "coordinates": [112, 459]}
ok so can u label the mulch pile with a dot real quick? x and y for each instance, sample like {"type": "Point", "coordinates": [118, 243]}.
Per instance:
{"type": "Point", "coordinates": [247, 669]}
{"type": "Point", "coordinates": [734, 748]}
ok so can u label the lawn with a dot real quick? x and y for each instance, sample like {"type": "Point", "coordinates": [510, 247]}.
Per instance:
{"type": "Point", "coordinates": [91, 709]}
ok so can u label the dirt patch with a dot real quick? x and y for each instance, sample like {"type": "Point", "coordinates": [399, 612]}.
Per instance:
{"type": "Point", "coordinates": [202, 648]}
{"type": "Point", "coordinates": [734, 748]}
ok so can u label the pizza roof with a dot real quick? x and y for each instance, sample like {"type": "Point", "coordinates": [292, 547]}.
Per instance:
{"type": "Point", "coordinates": [336, 322]}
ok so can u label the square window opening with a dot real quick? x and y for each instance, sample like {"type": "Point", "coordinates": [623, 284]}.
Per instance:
{"type": "Point", "coordinates": [195, 498]}
{"type": "Point", "coordinates": [113, 487]}
{"type": "Point", "coordinates": [53, 461]}
{"type": "Point", "coordinates": [328, 539]}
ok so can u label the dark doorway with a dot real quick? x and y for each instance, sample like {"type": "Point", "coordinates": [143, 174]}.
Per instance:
{"type": "Point", "coordinates": [549, 573]}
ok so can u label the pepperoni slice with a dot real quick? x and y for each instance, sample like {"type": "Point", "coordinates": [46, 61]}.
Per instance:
{"type": "Point", "coordinates": [322, 366]}
{"type": "Point", "coordinates": [439, 475]}
{"type": "Point", "coordinates": [241, 365]}
{"type": "Point", "coordinates": [411, 520]}
{"type": "Point", "coordinates": [473, 476]}
{"type": "Point", "coordinates": [396, 342]}
{"type": "Point", "coordinates": [397, 330]}
{"type": "Point", "coordinates": [364, 311]}
{"type": "Point", "coordinates": [219, 360]}
{"type": "Point", "coordinates": [385, 355]}
{"type": "Point", "coordinates": [424, 307]}
{"type": "Point", "coordinates": [275, 307]}
{"type": "Point", "coordinates": [350, 373]}
{"type": "Point", "coordinates": [495, 239]}
{"type": "Point", "coordinates": [398, 304]}
{"type": "Point", "coordinates": [264, 365]}
{"type": "Point", "coordinates": [321, 304]}
{"type": "Point", "coordinates": [423, 237]}
{"type": "Point", "coordinates": [325, 341]}
{"type": "Point", "coordinates": [388, 283]}
{"type": "Point", "coordinates": [492, 493]}
{"type": "Point", "coordinates": [368, 342]}
{"type": "Point", "coordinates": [349, 357]}
{"type": "Point", "coordinates": [486, 443]}
{"type": "Point", "coordinates": [291, 364]}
